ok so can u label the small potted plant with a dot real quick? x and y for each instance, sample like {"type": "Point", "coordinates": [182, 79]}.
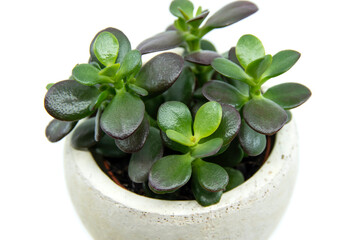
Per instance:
{"type": "Point", "coordinates": [175, 148]}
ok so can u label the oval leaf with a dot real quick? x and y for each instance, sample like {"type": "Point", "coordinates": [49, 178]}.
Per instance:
{"type": "Point", "coordinates": [288, 95]}
{"type": "Point", "coordinates": [57, 130]}
{"type": "Point", "coordinates": [141, 161]}
{"type": "Point", "coordinates": [89, 75]}
{"type": "Point", "coordinates": [135, 141]}
{"type": "Point", "coordinates": [264, 116]}
{"type": "Point", "coordinates": [173, 145]}
{"type": "Point", "coordinates": [232, 56]}
{"type": "Point", "coordinates": [229, 158]}
{"type": "Point", "coordinates": [170, 173]}
{"type": "Point", "coordinates": [106, 48]}
{"type": "Point", "coordinates": [160, 73]}
{"type": "Point", "coordinates": [203, 197]}
{"type": "Point", "coordinates": [175, 116]}
{"type": "Point", "coordinates": [160, 42]}
{"type": "Point", "coordinates": [131, 63]}
{"type": "Point", "coordinates": [210, 176]}
{"type": "Point", "coordinates": [230, 14]}
{"type": "Point", "coordinates": [258, 67]}
{"type": "Point", "coordinates": [84, 135]}
{"type": "Point", "coordinates": [248, 49]}
{"type": "Point", "coordinates": [252, 142]}
{"type": "Point", "coordinates": [229, 69]}
{"type": "Point", "coordinates": [203, 57]}
{"type": "Point", "coordinates": [207, 148]}
{"type": "Point", "coordinates": [207, 45]}
{"type": "Point", "coordinates": [69, 100]}
{"type": "Point", "coordinates": [179, 138]}
{"type": "Point", "coordinates": [224, 93]}
{"type": "Point", "coordinates": [207, 120]}
{"type": "Point", "coordinates": [281, 63]}
{"type": "Point", "coordinates": [186, 6]}
{"type": "Point", "coordinates": [138, 90]}
{"type": "Point", "coordinates": [123, 115]}
{"type": "Point", "coordinates": [236, 178]}
{"type": "Point", "coordinates": [196, 21]}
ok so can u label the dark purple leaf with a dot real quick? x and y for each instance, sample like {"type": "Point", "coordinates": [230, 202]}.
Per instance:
{"type": "Point", "coordinates": [203, 57]}
{"type": "Point", "coordinates": [160, 42]}
{"type": "Point", "coordinates": [83, 135]}
{"type": "Point", "coordinates": [57, 130]}
{"type": "Point", "coordinates": [252, 142]}
{"type": "Point", "coordinates": [196, 21]}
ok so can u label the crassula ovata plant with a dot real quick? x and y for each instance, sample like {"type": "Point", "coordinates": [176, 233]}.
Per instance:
{"type": "Point", "coordinates": [178, 121]}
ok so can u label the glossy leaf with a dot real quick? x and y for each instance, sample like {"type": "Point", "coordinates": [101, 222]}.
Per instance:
{"type": "Point", "coordinates": [288, 95]}
{"type": "Point", "coordinates": [141, 161]}
{"type": "Point", "coordinates": [248, 49]}
{"type": "Point", "coordinates": [131, 63]}
{"type": "Point", "coordinates": [179, 138]}
{"type": "Point", "coordinates": [106, 147]}
{"type": "Point", "coordinates": [175, 116]}
{"type": "Point", "coordinates": [160, 73]}
{"type": "Point", "coordinates": [196, 21]}
{"type": "Point", "coordinates": [69, 100]}
{"type": "Point", "coordinates": [252, 142]}
{"type": "Point", "coordinates": [173, 145]}
{"type": "Point", "coordinates": [207, 45]}
{"type": "Point", "coordinates": [207, 119]}
{"type": "Point", "coordinates": [138, 90]}
{"type": "Point", "coordinates": [202, 58]}
{"type": "Point", "coordinates": [89, 75]}
{"type": "Point", "coordinates": [99, 100]}
{"type": "Point", "coordinates": [106, 48]}
{"type": "Point", "coordinates": [210, 176]}
{"type": "Point", "coordinates": [236, 178]}
{"type": "Point", "coordinates": [229, 125]}
{"type": "Point", "coordinates": [110, 70]}
{"type": "Point", "coordinates": [207, 148]}
{"type": "Point", "coordinates": [231, 157]}
{"type": "Point", "coordinates": [160, 42]}
{"type": "Point", "coordinates": [230, 14]}
{"type": "Point", "coordinates": [264, 116]}
{"type": "Point", "coordinates": [83, 135]}
{"type": "Point", "coordinates": [232, 56]}
{"type": "Point", "coordinates": [183, 88]}
{"type": "Point", "coordinates": [135, 141]}
{"type": "Point", "coordinates": [259, 66]}
{"type": "Point", "coordinates": [203, 197]}
{"type": "Point", "coordinates": [152, 105]}
{"type": "Point", "coordinates": [124, 44]}
{"type": "Point", "coordinates": [224, 93]}
{"type": "Point", "coordinates": [170, 173]}
{"type": "Point", "coordinates": [184, 5]}
{"type": "Point", "coordinates": [57, 130]}
{"type": "Point", "coordinates": [123, 115]}
{"type": "Point", "coordinates": [281, 63]}
{"type": "Point", "coordinates": [229, 69]}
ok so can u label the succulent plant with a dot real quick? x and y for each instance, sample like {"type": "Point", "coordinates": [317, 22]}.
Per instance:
{"type": "Point", "coordinates": [179, 121]}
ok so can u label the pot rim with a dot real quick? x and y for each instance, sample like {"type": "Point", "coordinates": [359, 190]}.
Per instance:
{"type": "Point", "coordinates": [251, 190]}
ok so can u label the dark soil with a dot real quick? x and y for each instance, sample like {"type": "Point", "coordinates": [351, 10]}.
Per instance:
{"type": "Point", "coordinates": [118, 172]}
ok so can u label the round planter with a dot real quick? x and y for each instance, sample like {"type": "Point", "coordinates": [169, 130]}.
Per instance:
{"type": "Point", "coordinates": [249, 212]}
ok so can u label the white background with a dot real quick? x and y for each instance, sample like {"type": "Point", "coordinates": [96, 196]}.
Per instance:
{"type": "Point", "coordinates": [41, 41]}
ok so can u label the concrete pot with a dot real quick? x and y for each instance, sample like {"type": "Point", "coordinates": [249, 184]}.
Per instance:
{"type": "Point", "coordinates": [249, 212]}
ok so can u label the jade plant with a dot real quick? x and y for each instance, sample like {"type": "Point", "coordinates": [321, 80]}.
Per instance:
{"type": "Point", "coordinates": [178, 124]}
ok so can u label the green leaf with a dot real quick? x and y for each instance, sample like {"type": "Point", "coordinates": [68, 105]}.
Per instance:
{"type": "Point", "coordinates": [124, 44]}
{"type": "Point", "coordinates": [106, 147]}
{"type": "Point", "coordinates": [207, 45]}
{"type": "Point", "coordinates": [175, 116]}
{"type": "Point", "coordinates": [110, 70]}
{"type": "Point", "coordinates": [173, 145]}
{"type": "Point", "coordinates": [230, 69]}
{"type": "Point", "coordinates": [141, 161]}
{"type": "Point", "coordinates": [106, 48]}
{"type": "Point", "coordinates": [123, 115]}
{"type": "Point", "coordinates": [203, 197]}
{"type": "Point", "coordinates": [170, 173]}
{"type": "Point", "coordinates": [57, 130]}
{"type": "Point", "coordinates": [138, 90]}
{"type": "Point", "coordinates": [152, 105]}
{"type": "Point", "coordinates": [224, 93]}
{"type": "Point", "coordinates": [229, 125]}
{"type": "Point", "coordinates": [210, 176]}
{"type": "Point", "coordinates": [89, 75]}
{"type": "Point", "coordinates": [49, 86]}
{"type": "Point", "coordinates": [207, 148]}
{"type": "Point", "coordinates": [185, 6]}
{"type": "Point", "coordinates": [264, 116]}
{"type": "Point", "coordinates": [196, 21]}
{"type": "Point", "coordinates": [83, 136]}
{"type": "Point", "coordinates": [207, 120]}
{"type": "Point", "coordinates": [248, 49]}
{"type": "Point", "coordinates": [99, 100]}
{"type": "Point", "coordinates": [231, 157]}
{"type": "Point", "coordinates": [160, 73]}
{"type": "Point", "coordinates": [230, 14]}
{"type": "Point", "coordinates": [236, 178]}
{"type": "Point", "coordinates": [131, 64]}
{"type": "Point", "coordinates": [252, 142]}
{"type": "Point", "coordinates": [289, 116]}
{"type": "Point", "coordinates": [160, 42]}
{"type": "Point", "coordinates": [259, 66]}
{"type": "Point", "coordinates": [135, 141]}
{"type": "Point", "coordinates": [281, 63]}
{"type": "Point", "coordinates": [183, 88]}
{"type": "Point", "coordinates": [98, 132]}
{"type": "Point", "coordinates": [288, 95]}
{"type": "Point", "coordinates": [69, 100]}
{"type": "Point", "coordinates": [179, 138]}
